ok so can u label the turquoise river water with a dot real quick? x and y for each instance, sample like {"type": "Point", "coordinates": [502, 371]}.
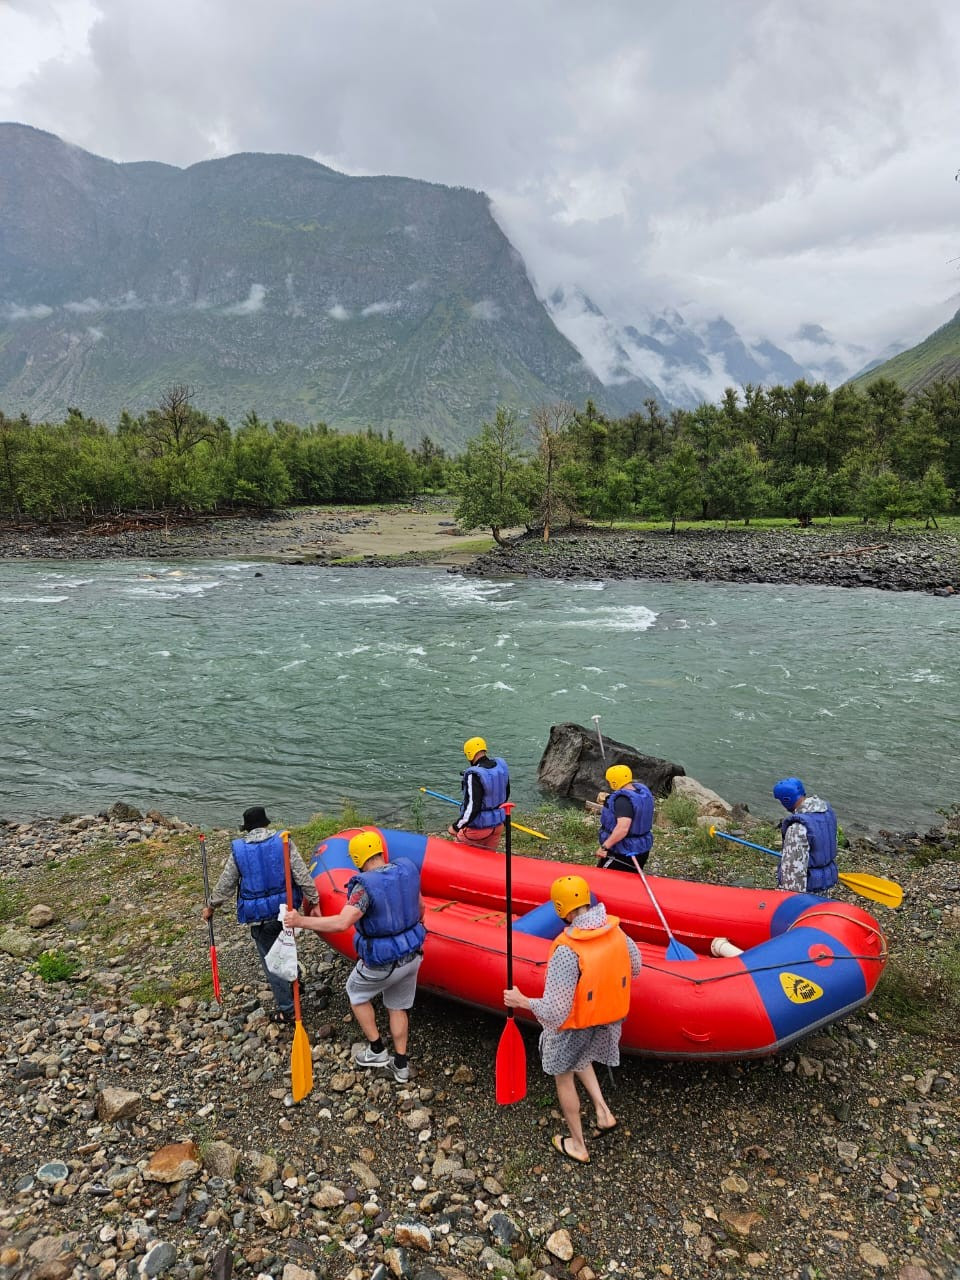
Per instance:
{"type": "Point", "coordinates": [202, 688]}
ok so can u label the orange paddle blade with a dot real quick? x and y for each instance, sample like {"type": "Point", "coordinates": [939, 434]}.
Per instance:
{"type": "Point", "coordinates": [511, 1065]}
{"type": "Point", "coordinates": [301, 1064]}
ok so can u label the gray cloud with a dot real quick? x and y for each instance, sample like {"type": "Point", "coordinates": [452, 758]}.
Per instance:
{"type": "Point", "coordinates": [780, 162]}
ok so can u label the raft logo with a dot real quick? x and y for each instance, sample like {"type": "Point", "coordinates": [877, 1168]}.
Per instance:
{"type": "Point", "coordinates": [799, 990]}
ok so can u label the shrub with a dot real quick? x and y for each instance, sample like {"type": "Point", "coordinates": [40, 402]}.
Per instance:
{"type": "Point", "coordinates": [56, 966]}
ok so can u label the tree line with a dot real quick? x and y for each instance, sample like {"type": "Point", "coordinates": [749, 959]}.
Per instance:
{"type": "Point", "coordinates": [800, 451]}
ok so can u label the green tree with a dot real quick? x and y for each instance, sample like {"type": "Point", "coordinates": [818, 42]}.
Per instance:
{"type": "Point", "coordinates": [679, 486]}
{"type": "Point", "coordinates": [489, 479]}
{"type": "Point", "coordinates": [933, 496]}
{"type": "Point", "coordinates": [735, 484]}
{"type": "Point", "coordinates": [553, 498]}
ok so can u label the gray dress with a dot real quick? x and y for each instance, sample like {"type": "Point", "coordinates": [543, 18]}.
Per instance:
{"type": "Point", "coordinates": [575, 1048]}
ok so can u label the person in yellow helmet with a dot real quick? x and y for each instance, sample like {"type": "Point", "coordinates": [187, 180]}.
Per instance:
{"type": "Point", "coordinates": [385, 908]}
{"type": "Point", "coordinates": [486, 785]}
{"type": "Point", "coordinates": [626, 822]}
{"type": "Point", "coordinates": [585, 1000]}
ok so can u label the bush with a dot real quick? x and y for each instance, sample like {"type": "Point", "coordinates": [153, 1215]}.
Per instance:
{"type": "Point", "coordinates": [56, 966]}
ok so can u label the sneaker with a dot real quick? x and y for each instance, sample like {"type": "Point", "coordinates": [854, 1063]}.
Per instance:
{"type": "Point", "coordinates": [367, 1058]}
{"type": "Point", "coordinates": [400, 1074]}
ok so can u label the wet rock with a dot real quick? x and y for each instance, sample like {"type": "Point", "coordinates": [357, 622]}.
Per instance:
{"type": "Point", "coordinates": [572, 764]}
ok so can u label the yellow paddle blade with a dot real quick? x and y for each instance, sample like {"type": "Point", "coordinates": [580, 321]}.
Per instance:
{"type": "Point", "coordinates": [301, 1064]}
{"type": "Point", "coordinates": [887, 892]}
{"type": "Point", "coordinates": [530, 831]}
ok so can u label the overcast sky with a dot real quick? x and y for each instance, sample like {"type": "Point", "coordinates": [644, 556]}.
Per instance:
{"type": "Point", "coordinates": [779, 161]}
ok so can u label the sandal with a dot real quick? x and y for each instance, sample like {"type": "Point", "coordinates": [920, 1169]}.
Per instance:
{"type": "Point", "coordinates": [560, 1144]}
{"type": "Point", "coordinates": [283, 1017]}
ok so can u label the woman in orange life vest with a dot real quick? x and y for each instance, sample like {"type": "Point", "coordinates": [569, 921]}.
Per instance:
{"type": "Point", "coordinates": [584, 1001]}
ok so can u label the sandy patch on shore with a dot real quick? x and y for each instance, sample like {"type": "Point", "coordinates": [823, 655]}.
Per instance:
{"type": "Point", "coordinates": [384, 531]}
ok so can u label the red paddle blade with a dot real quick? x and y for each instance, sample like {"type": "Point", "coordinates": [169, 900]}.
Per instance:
{"type": "Point", "coordinates": [511, 1066]}
{"type": "Point", "coordinates": [216, 975]}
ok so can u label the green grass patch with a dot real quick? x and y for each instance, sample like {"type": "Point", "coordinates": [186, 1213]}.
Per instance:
{"type": "Point", "coordinates": [11, 900]}
{"type": "Point", "coordinates": [680, 810]}
{"type": "Point", "coordinates": [919, 992]}
{"type": "Point", "coordinates": [321, 825]}
{"type": "Point", "coordinates": [56, 966]}
{"type": "Point", "coordinates": [165, 992]}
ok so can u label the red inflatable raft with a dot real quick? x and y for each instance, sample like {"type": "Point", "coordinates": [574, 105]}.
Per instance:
{"type": "Point", "coordinates": [806, 961]}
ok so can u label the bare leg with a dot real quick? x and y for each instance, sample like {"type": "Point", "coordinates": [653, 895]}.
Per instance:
{"type": "Point", "coordinates": [588, 1078]}
{"type": "Point", "coordinates": [569, 1101]}
{"type": "Point", "coordinates": [367, 1018]}
{"type": "Point", "coordinates": [399, 1024]}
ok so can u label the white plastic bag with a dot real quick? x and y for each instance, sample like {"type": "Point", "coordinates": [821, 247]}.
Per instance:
{"type": "Point", "coordinates": [281, 959]}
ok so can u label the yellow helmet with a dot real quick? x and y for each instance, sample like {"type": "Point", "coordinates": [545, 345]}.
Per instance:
{"type": "Point", "coordinates": [364, 846]}
{"type": "Point", "coordinates": [569, 892]}
{"type": "Point", "coordinates": [473, 746]}
{"type": "Point", "coordinates": [618, 775]}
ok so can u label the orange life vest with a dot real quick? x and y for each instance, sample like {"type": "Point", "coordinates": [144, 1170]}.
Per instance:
{"type": "Point", "coordinates": [603, 990]}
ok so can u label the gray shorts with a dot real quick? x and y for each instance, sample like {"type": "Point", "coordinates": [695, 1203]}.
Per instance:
{"type": "Point", "coordinates": [396, 983]}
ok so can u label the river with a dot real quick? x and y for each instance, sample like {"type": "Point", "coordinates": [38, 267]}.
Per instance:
{"type": "Point", "coordinates": [201, 688]}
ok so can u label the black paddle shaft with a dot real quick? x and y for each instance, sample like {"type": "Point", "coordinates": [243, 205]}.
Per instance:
{"type": "Point", "coordinates": [509, 887]}
{"type": "Point", "coordinates": [202, 840]}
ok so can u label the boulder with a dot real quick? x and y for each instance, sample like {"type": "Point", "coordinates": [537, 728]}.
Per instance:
{"type": "Point", "coordinates": [709, 804]}
{"type": "Point", "coordinates": [572, 765]}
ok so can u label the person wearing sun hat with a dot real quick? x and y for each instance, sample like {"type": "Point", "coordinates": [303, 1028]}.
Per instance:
{"type": "Point", "coordinates": [808, 863]}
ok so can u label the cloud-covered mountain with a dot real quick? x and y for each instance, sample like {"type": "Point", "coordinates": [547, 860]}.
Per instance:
{"type": "Point", "coordinates": [688, 361]}
{"type": "Point", "coordinates": [267, 282]}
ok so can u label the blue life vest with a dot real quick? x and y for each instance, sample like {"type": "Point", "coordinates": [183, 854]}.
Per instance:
{"type": "Point", "coordinates": [494, 784]}
{"type": "Point", "coordinates": [639, 839]}
{"type": "Point", "coordinates": [262, 885]}
{"type": "Point", "coordinates": [821, 829]}
{"type": "Point", "coordinates": [390, 928]}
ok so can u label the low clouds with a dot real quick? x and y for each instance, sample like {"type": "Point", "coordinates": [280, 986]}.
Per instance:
{"type": "Point", "coordinates": [784, 163]}
{"type": "Point", "coordinates": [252, 303]}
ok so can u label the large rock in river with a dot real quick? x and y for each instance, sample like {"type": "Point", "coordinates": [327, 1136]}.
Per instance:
{"type": "Point", "coordinates": [572, 765]}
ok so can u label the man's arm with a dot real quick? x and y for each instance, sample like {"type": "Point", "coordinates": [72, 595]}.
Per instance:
{"type": "Point", "coordinates": [470, 807]}
{"type": "Point", "coordinates": [225, 887]}
{"type": "Point", "coordinates": [324, 924]}
{"type": "Point", "coordinates": [621, 828]}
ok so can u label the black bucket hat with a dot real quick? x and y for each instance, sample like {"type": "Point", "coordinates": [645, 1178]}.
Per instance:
{"type": "Point", "coordinates": [254, 817]}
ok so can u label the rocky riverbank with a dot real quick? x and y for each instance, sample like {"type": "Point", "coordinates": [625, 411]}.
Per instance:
{"type": "Point", "coordinates": [424, 534]}
{"type": "Point", "coordinates": [848, 557]}
{"type": "Point", "coordinates": [145, 1131]}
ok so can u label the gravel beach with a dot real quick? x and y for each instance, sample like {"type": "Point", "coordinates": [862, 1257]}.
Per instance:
{"type": "Point", "coordinates": [145, 1131]}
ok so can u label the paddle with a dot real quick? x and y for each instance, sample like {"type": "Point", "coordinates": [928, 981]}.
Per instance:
{"type": "Point", "coordinates": [301, 1061]}
{"type": "Point", "coordinates": [450, 800]}
{"type": "Point", "coordinates": [206, 898]}
{"type": "Point", "coordinates": [887, 892]}
{"type": "Point", "coordinates": [675, 950]}
{"type": "Point", "coordinates": [511, 1064]}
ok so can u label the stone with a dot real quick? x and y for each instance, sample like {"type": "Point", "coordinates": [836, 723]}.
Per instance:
{"type": "Point", "coordinates": [413, 1235]}
{"type": "Point", "coordinates": [39, 916]}
{"type": "Point", "coordinates": [173, 1163]}
{"type": "Point", "coordinates": [740, 1224]}
{"type": "Point", "coordinates": [158, 1259]}
{"type": "Point", "coordinates": [54, 1171]}
{"type": "Point", "coordinates": [117, 1104]}
{"type": "Point", "coordinates": [873, 1256]}
{"type": "Point", "coordinates": [328, 1197]}
{"type": "Point", "coordinates": [19, 943]}
{"type": "Point", "coordinates": [572, 766]}
{"type": "Point", "coordinates": [263, 1168]}
{"type": "Point", "coordinates": [464, 1075]}
{"type": "Point", "coordinates": [292, 1272]}
{"type": "Point", "coordinates": [560, 1245]}
{"type": "Point", "coordinates": [46, 1248]}
{"type": "Point", "coordinates": [709, 804]}
{"type": "Point", "coordinates": [220, 1159]}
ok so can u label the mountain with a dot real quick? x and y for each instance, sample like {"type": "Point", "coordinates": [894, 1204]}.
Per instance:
{"type": "Point", "coordinates": [685, 363]}
{"type": "Point", "coordinates": [937, 356]}
{"type": "Point", "coordinates": [268, 282]}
